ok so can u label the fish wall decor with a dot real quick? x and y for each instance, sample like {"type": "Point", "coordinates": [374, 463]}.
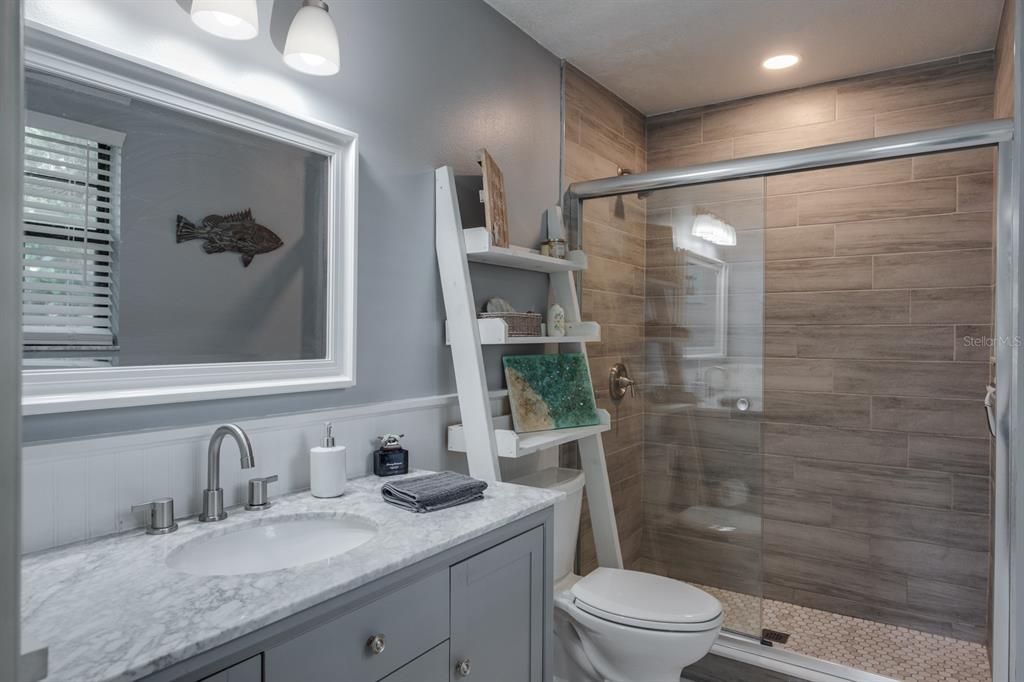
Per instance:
{"type": "Point", "coordinates": [237, 232]}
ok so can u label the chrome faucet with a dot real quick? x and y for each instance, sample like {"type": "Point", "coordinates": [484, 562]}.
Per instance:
{"type": "Point", "coordinates": [213, 496]}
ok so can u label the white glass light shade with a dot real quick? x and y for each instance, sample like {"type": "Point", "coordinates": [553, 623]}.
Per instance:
{"type": "Point", "coordinates": [312, 43]}
{"type": "Point", "coordinates": [232, 19]}
{"type": "Point", "coordinates": [711, 229]}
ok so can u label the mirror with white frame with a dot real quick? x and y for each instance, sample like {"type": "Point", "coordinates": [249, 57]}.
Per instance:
{"type": "Point", "coordinates": [705, 305]}
{"type": "Point", "coordinates": [179, 243]}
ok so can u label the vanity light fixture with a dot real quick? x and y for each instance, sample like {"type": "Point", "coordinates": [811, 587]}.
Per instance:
{"type": "Point", "coordinates": [714, 230]}
{"type": "Point", "coordinates": [231, 19]}
{"type": "Point", "coordinates": [312, 42]}
{"type": "Point", "coordinates": [780, 61]}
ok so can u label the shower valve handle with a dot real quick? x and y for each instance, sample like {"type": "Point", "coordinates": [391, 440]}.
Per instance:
{"type": "Point", "coordinates": [619, 382]}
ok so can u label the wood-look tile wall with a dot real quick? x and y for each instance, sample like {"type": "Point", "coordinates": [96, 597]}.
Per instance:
{"type": "Point", "coordinates": [602, 135]}
{"type": "Point", "coordinates": [1004, 61]}
{"type": "Point", "coordinates": [870, 451]}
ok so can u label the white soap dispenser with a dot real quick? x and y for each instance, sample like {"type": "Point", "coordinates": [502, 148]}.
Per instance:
{"type": "Point", "coordinates": [327, 475]}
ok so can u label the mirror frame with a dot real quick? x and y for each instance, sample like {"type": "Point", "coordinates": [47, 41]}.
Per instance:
{"type": "Point", "coordinates": [721, 270]}
{"type": "Point", "coordinates": [69, 390]}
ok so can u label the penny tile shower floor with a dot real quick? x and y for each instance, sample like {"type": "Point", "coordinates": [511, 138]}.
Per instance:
{"type": "Point", "coordinates": [896, 652]}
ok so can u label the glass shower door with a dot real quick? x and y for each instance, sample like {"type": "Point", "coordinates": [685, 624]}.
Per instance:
{"type": "Point", "coordinates": [702, 392]}
{"type": "Point", "coordinates": [850, 502]}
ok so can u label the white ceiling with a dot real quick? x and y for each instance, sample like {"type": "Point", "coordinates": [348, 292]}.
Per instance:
{"type": "Point", "coordinates": [664, 55]}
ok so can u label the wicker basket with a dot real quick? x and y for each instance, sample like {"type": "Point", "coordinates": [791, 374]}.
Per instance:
{"type": "Point", "coordinates": [519, 324]}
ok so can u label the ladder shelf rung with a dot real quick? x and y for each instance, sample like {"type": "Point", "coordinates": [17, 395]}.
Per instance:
{"type": "Point", "coordinates": [512, 444]}
{"type": "Point", "coordinates": [480, 250]}
{"type": "Point", "coordinates": [494, 332]}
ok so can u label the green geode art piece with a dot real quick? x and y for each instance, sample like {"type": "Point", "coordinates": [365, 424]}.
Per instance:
{"type": "Point", "coordinates": [549, 392]}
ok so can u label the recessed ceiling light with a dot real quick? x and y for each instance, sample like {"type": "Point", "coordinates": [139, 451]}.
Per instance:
{"type": "Point", "coordinates": [780, 61]}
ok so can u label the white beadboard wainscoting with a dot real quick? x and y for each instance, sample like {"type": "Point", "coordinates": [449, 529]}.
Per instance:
{"type": "Point", "coordinates": [80, 489]}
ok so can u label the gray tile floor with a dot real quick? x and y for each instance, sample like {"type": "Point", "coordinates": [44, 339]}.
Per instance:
{"type": "Point", "coordinates": [888, 650]}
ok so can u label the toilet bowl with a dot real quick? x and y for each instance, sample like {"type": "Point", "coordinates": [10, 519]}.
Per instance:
{"type": "Point", "coordinates": [616, 625]}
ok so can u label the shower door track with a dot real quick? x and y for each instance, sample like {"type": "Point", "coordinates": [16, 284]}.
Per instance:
{"type": "Point", "coordinates": [998, 133]}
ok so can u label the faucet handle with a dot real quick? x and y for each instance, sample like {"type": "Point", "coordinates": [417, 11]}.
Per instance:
{"type": "Point", "coordinates": [258, 493]}
{"type": "Point", "coordinates": [161, 516]}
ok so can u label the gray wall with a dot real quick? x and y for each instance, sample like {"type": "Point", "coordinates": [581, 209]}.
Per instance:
{"type": "Point", "coordinates": [177, 304]}
{"type": "Point", "coordinates": [424, 83]}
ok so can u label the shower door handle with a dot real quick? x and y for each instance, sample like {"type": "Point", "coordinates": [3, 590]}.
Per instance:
{"type": "Point", "coordinates": [990, 407]}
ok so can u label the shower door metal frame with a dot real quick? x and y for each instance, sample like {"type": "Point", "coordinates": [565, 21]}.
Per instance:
{"type": "Point", "coordinates": [1008, 587]}
{"type": "Point", "coordinates": [12, 135]}
{"type": "Point", "coordinates": [964, 136]}
{"type": "Point", "coordinates": [1008, 510]}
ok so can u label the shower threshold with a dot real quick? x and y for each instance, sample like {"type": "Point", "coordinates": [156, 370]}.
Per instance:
{"type": "Point", "coordinates": [830, 646]}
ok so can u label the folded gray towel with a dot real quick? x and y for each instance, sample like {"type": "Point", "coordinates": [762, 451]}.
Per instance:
{"type": "Point", "coordinates": [433, 491]}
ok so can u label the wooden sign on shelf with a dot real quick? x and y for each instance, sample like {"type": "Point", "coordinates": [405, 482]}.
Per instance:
{"type": "Point", "coordinates": [495, 209]}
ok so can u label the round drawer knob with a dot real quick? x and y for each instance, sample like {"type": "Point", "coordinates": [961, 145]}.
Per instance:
{"type": "Point", "coordinates": [463, 668]}
{"type": "Point", "coordinates": [376, 644]}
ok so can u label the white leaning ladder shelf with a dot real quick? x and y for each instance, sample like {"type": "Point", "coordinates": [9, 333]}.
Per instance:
{"type": "Point", "coordinates": [483, 437]}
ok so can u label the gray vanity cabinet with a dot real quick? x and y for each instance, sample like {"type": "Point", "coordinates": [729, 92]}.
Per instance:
{"type": "Point", "coordinates": [497, 611]}
{"type": "Point", "coordinates": [485, 614]}
{"type": "Point", "coordinates": [478, 612]}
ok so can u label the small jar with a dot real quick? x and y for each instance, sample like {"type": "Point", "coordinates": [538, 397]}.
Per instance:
{"type": "Point", "coordinates": [556, 248]}
{"type": "Point", "coordinates": [556, 320]}
{"type": "Point", "coordinates": [391, 458]}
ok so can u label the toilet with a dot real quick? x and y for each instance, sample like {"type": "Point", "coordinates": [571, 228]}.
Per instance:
{"type": "Point", "coordinates": [616, 625]}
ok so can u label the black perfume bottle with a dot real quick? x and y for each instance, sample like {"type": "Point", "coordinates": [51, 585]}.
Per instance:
{"type": "Point", "coordinates": [391, 458]}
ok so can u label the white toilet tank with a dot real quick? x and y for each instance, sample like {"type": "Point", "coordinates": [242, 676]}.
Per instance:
{"type": "Point", "coordinates": [567, 512]}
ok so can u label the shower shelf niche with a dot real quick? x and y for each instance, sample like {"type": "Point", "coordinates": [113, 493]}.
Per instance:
{"type": "Point", "coordinates": [494, 332]}
{"type": "Point", "coordinates": [512, 444]}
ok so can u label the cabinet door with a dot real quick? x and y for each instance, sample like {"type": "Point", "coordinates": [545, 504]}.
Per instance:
{"type": "Point", "coordinates": [497, 603]}
{"type": "Point", "coordinates": [249, 670]}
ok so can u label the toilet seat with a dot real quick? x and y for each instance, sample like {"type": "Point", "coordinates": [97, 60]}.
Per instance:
{"type": "Point", "coordinates": [647, 601]}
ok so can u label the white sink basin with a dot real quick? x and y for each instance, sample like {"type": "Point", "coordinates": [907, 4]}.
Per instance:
{"type": "Point", "coordinates": [272, 546]}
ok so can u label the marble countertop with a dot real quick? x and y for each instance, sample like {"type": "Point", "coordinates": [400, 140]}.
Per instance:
{"type": "Point", "coordinates": [110, 609]}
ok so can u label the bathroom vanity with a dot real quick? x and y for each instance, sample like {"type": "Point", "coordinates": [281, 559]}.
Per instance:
{"type": "Point", "coordinates": [463, 593]}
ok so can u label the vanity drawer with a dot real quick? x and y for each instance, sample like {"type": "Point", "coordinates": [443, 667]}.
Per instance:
{"type": "Point", "coordinates": [249, 670]}
{"type": "Point", "coordinates": [430, 667]}
{"type": "Point", "coordinates": [412, 620]}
